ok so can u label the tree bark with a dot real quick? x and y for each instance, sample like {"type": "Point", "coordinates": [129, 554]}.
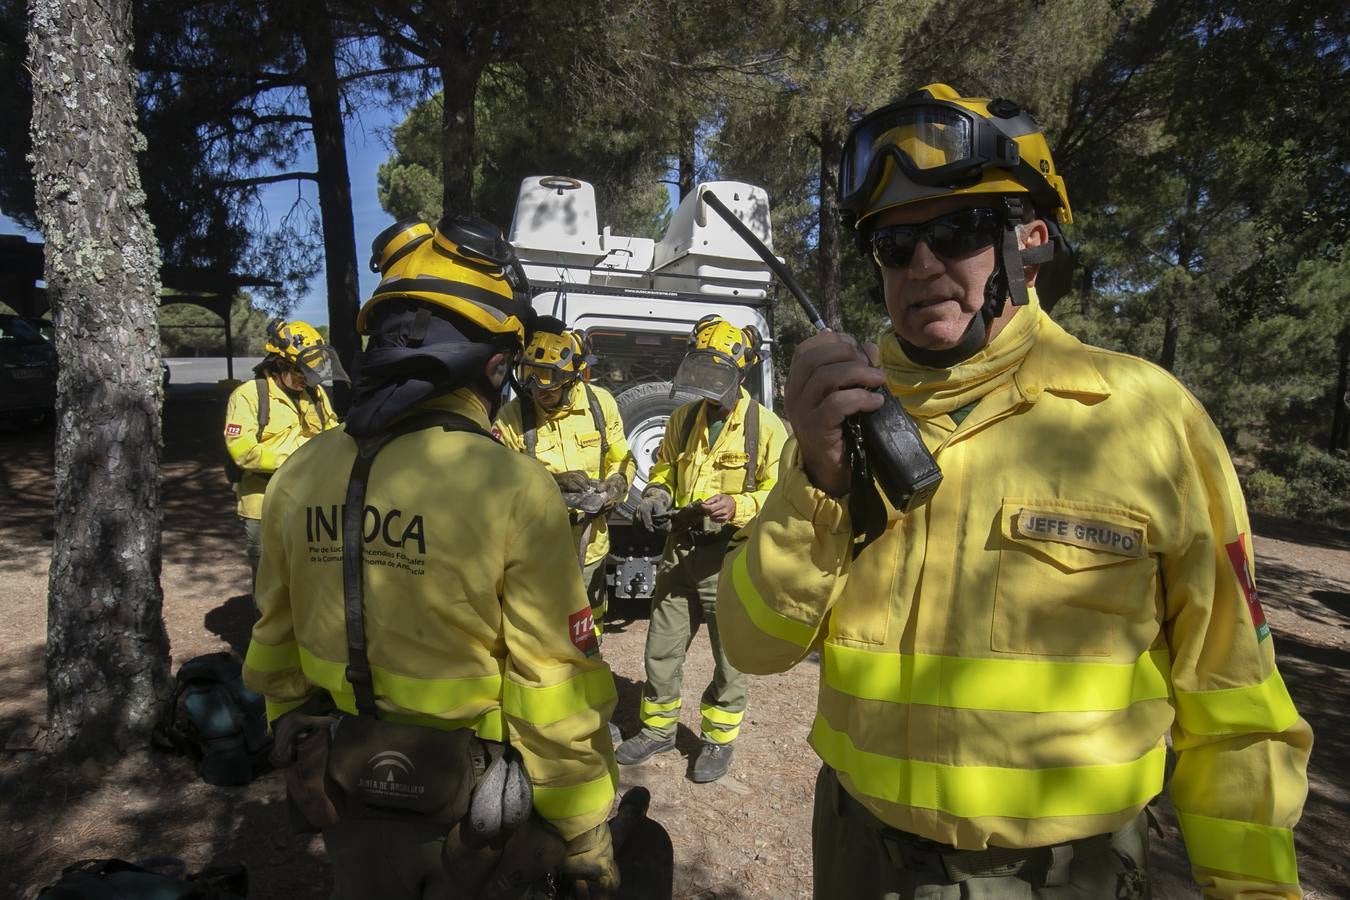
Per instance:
{"type": "Point", "coordinates": [828, 264]}
{"type": "Point", "coordinates": [335, 191]}
{"type": "Point", "coordinates": [688, 175]}
{"type": "Point", "coordinates": [459, 77]}
{"type": "Point", "coordinates": [107, 650]}
{"type": "Point", "coordinates": [1171, 336]}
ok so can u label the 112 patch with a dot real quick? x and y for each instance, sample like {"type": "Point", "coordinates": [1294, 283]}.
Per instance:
{"type": "Point", "coordinates": [1237, 555]}
{"type": "Point", "coordinates": [581, 630]}
{"type": "Point", "coordinates": [233, 430]}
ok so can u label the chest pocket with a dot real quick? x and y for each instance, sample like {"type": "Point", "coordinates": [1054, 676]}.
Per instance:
{"type": "Point", "coordinates": [730, 468]}
{"type": "Point", "coordinates": [587, 439]}
{"type": "Point", "coordinates": [1071, 577]}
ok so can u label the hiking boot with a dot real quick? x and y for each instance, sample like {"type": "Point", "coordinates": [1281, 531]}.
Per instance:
{"type": "Point", "coordinates": [642, 747]}
{"type": "Point", "coordinates": [615, 735]}
{"type": "Point", "coordinates": [712, 762]}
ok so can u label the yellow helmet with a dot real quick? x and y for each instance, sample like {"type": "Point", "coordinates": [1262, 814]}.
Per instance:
{"type": "Point", "coordinates": [461, 266]}
{"type": "Point", "coordinates": [555, 356]}
{"type": "Point", "coordinates": [289, 339]}
{"type": "Point", "coordinates": [936, 143]}
{"type": "Point", "coordinates": [714, 334]}
{"type": "Point", "coordinates": [301, 345]}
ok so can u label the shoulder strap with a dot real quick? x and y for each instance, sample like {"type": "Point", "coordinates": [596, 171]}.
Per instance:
{"type": "Point", "coordinates": [264, 405]}
{"type": "Point", "coordinates": [529, 425]}
{"type": "Point", "coordinates": [358, 664]}
{"type": "Point", "coordinates": [598, 416]}
{"type": "Point", "coordinates": [751, 445]}
{"type": "Point", "coordinates": [313, 394]}
{"type": "Point", "coordinates": [687, 428]}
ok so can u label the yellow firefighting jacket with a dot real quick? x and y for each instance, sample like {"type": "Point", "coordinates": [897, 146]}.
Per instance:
{"type": "Point", "coordinates": [474, 608]}
{"type": "Point", "coordinates": [1000, 667]}
{"type": "Point", "coordinates": [568, 439]}
{"type": "Point", "coordinates": [289, 424]}
{"type": "Point", "coordinates": [697, 471]}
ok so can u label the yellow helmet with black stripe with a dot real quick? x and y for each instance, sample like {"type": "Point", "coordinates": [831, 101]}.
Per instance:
{"type": "Point", "coordinates": [555, 356]}
{"type": "Point", "coordinates": [714, 334]}
{"type": "Point", "coordinates": [937, 143]}
{"type": "Point", "coordinates": [463, 266]}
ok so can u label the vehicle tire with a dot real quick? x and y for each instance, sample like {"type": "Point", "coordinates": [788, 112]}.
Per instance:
{"type": "Point", "coordinates": [645, 409]}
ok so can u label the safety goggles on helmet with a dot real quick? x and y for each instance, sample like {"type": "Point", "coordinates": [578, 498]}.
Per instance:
{"type": "Point", "coordinates": [952, 236]}
{"type": "Point", "coordinates": [553, 360]}
{"type": "Point", "coordinates": [937, 143]}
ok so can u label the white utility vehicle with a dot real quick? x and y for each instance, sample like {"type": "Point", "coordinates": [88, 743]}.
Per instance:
{"type": "Point", "coordinates": [637, 300]}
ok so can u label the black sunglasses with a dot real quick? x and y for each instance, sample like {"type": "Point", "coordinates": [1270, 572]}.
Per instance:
{"type": "Point", "coordinates": [951, 236]}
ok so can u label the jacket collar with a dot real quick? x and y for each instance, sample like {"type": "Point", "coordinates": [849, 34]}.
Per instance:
{"type": "Point", "coordinates": [1060, 364]}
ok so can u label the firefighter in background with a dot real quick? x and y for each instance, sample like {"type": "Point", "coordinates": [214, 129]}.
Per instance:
{"type": "Point", "coordinates": [1000, 668]}
{"type": "Point", "coordinates": [575, 430]}
{"type": "Point", "coordinates": [269, 418]}
{"type": "Point", "coordinates": [474, 612]}
{"type": "Point", "coordinates": [713, 470]}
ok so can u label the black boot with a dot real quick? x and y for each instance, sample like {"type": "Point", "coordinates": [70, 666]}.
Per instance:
{"type": "Point", "coordinates": [642, 747]}
{"type": "Point", "coordinates": [712, 762]}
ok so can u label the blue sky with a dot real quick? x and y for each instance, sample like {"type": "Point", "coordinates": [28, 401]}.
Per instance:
{"type": "Point", "coordinates": [366, 149]}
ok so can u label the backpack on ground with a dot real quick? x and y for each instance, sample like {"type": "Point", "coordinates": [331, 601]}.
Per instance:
{"type": "Point", "coordinates": [215, 719]}
{"type": "Point", "coordinates": [159, 879]}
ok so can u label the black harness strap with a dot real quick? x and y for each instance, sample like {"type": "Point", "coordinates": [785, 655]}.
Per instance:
{"type": "Point", "coordinates": [353, 543]}
{"type": "Point", "coordinates": [264, 405]}
{"type": "Point", "coordinates": [751, 442]}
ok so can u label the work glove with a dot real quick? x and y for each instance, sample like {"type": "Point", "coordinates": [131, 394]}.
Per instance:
{"type": "Point", "coordinates": [653, 511]}
{"type": "Point", "coordinates": [572, 482]}
{"type": "Point", "coordinates": [589, 868]}
{"type": "Point", "coordinates": [612, 490]}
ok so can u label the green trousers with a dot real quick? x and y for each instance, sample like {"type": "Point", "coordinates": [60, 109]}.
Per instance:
{"type": "Point", "coordinates": [685, 595]}
{"type": "Point", "coordinates": [387, 859]}
{"type": "Point", "coordinates": [252, 544]}
{"type": "Point", "coordinates": [855, 855]}
{"type": "Point", "coordinates": [593, 576]}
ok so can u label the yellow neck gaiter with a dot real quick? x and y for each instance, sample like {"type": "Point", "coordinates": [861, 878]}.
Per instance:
{"type": "Point", "coordinates": [926, 392]}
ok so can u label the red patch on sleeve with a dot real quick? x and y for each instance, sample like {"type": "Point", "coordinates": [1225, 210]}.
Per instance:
{"type": "Point", "coordinates": [233, 430]}
{"type": "Point", "coordinates": [581, 629]}
{"type": "Point", "coordinates": [496, 434]}
{"type": "Point", "coordinates": [1237, 555]}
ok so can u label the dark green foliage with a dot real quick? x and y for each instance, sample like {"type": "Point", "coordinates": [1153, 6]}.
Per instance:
{"type": "Point", "coordinates": [1301, 481]}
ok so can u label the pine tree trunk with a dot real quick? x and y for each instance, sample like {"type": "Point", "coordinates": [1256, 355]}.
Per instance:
{"type": "Point", "coordinates": [688, 174]}
{"type": "Point", "coordinates": [335, 191]}
{"type": "Point", "coordinates": [460, 79]}
{"type": "Point", "coordinates": [828, 264]}
{"type": "Point", "coordinates": [107, 650]}
{"type": "Point", "coordinates": [1340, 415]}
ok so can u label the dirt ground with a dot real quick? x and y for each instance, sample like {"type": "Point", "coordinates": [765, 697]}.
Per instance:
{"type": "Point", "coordinates": [747, 836]}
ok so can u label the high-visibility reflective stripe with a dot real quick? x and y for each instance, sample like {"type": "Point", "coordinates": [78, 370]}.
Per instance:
{"type": "Point", "coordinates": [545, 705]}
{"type": "Point", "coordinates": [576, 800]}
{"type": "Point", "coordinates": [1263, 707]}
{"type": "Point", "coordinates": [428, 695]}
{"type": "Point", "coordinates": [720, 716]}
{"type": "Point", "coordinates": [1240, 848]}
{"type": "Point", "coordinates": [971, 791]}
{"type": "Point", "coordinates": [765, 619]}
{"type": "Point", "coordinates": [279, 708]}
{"type": "Point", "coordinates": [490, 726]}
{"type": "Point", "coordinates": [719, 735]}
{"type": "Point", "coordinates": [267, 658]}
{"type": "Point", "coordinates": [1009, 685]}
{"type": "Point", "coordinates": [659, 715]}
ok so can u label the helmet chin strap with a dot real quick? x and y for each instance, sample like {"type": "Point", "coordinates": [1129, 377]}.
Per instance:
{"type": "Point", "coordinates": [1007, 280]}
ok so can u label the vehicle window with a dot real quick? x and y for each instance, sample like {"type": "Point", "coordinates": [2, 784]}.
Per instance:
{"type": "Point", "coordinates": [626, 358]}
{"type": "Point", "coordinates": [17, 330]}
